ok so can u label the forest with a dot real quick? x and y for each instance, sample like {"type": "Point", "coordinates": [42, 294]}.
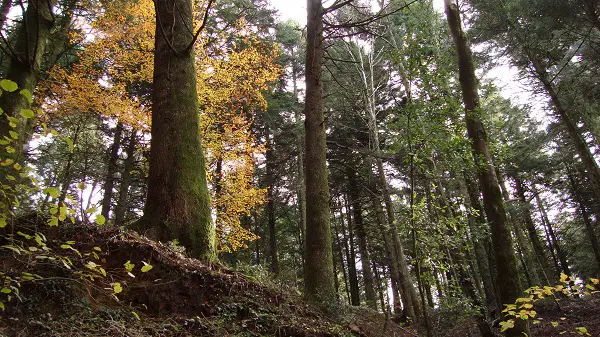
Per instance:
{"type": "Point", "coordinates": [210, 168]}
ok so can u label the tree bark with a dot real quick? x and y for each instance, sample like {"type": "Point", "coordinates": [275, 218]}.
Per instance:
{"type": "Point", "coordinates": [475, 223]}
{"type": "Point", "coordinates": [109, 181]}
{"type": "Point", "coordinates": [544, 271]}
{"type": "Point", "coordinates": [351, 259]}
{"type": "Point", "coordinates": [589, 228]}
{"type": "Point", "coordinates": [25, 62]}
{"type": "Point", "coordinates": [319, 270]}
{"type": "Point", "coordinates": [562, 257]}
{"type": "Point", "coordinates": [121, 209]}
{"type": "Point", "coordinates": [509, 287]}
{"type": "Point", "coordinates": [583, 150]}
{"type": "Point", "coordinates": [178, 202]}
{"type": "Point", "coordinates": [270, 177]}
{"type": "Point", "coordinates": [361, 236]}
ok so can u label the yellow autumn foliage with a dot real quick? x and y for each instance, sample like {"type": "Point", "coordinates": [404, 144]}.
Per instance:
{"type": "Point", "coordinates": [113, 78]}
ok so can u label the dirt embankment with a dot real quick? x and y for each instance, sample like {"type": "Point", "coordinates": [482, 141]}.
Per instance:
{"type": "Point", "coordinates": [178, 296]}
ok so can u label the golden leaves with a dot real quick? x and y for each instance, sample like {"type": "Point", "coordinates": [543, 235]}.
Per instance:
{"type": "Point", "coordinates": [113, 78]}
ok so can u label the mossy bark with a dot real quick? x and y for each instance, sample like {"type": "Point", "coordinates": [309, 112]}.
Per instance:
{"type": "Point", "coordinates": [479, 242]}
{"type": "Point", "coordinates": [178, 202]}
{"type": "Point", "coordinates": [509, 286]}
{"type": "Point", "coordinates": [24, 67]}
{"type": "Point", "coordinates": [318, 276]}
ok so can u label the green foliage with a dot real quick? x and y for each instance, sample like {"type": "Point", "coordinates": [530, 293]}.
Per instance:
{"type": "Point", "coordinates": [29, 244]}
{"type": "Point", "coordinates": [523, 308]}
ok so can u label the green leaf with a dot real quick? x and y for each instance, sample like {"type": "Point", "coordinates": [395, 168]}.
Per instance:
{"type": "Point", "coordinates": [53, 222]}
{"type": "Point", "coordinates": [52, 191]}
{"type": "Point", "coordinates": [27, 94]}
{"type": "Point", "coordinates": [117, 287]}
{"type": "Point", "coordinates": [100, 219]}
{"type": "Point", "coordinates": [2, 222]}
{"type": "Point", "coordinates": [27, 113]}
{"type": "Point", "coordinates": [91, 210]}
{"type": "Point", "coordinates": [71, 145]}
{"type": "Point", "coordinates": [63, 213]}
{"type": "Point", "coordinates": [8, 85]}
{"type": "Point", "coordinates": [582, 330]}
{"type": "Point", "coordinates": [129, 266]}
{"type": "Point", "coordinates": [146, 267]}
{"type": "Point", "coordinates": [555, 324]}
{"type": "Point", "coordinates": [7, 162]}
{"type": "Point", "coordinates": [2, 306]}
{"type": "Point", "coordinates": [13, 134]}
{"type": "Point", "coordinates": [1, 111]}
{"type": "Point", "coordinates": [507, 325]}
{"type": "Point", "coordinates": [136, 315]}
{"type": "Point", "coordinates": [5, 291]}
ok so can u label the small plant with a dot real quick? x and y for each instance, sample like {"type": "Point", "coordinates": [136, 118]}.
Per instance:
{"type": "Point", "coordinates": [522, 309]}
{"type": "Point", "coordinates": [30, 245]}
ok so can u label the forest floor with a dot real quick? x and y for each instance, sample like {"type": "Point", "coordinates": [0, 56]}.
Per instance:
{"type": "Point", "coordinates": [178, 296]}
{"type": "Point", "coordinates": [566, 319]}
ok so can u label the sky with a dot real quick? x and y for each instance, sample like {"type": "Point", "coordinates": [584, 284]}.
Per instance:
{"type": "Point", "coordinates": [504, 76]}
{"type": "Point", "coordinates": [296, 9]}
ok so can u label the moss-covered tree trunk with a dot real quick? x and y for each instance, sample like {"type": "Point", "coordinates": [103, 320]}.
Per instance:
{"type": "Point", "coordinates": [509, 286]}
{"type": "Point", "coordinates": [476, 222]}
{"type": "Point", "coordinates": [178, 202]}
{"type": "Point", "coordinates": [25, 63]}
{"type": "Point", "coordinates": [318, 267]}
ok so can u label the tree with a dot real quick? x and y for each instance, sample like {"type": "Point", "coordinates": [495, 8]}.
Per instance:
{"type": "Point", "coordinates": [178, 202]}
{"type": "Point", "coordinates": [509, 289]}
{"type": "Point", "coordinates": [318, 256]}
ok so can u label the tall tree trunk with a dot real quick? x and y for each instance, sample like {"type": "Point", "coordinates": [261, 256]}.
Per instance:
{"type": "Point", "coordinates": [544, 271]}
{"type": "Point", "coordinates": [583, 150]}
{"type": "Point", "coordinates": [476, 222]}
{"type": "Point", "coordinates": [562, 257]}
{"type": "Point", "coordinates": [589, 228]}
{"type": "Point", "coordinates": [391, 258]}
{"type": "Point", "coordinates": [341, 256]}
{"type": "Point", "coordinates": [24, 68]}
{"type": "Point", "coordinates": [300, 180]}
{"type": "Point", "coordinates": [361, 236]}
{"type": "Point", "coordinates": [350, 258]}
{"type": "Point", "coordinates": [109, 181]}
{"type": "Point", "coordinates": [65, 181]}
{"type": "Point", "coordinates": [509, 287]}
{"type": "Point", "coordinates": [270, 178]}
{"type": "Point", "coordinates": [121, 209]}
{"type": "Point", "coordinates": [319, 270]}
{"type": "Point", "coordinates": [178, 202]}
